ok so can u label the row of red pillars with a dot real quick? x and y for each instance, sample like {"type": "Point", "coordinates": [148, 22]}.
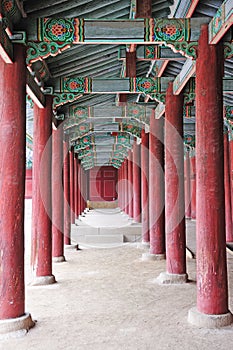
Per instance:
{"type": "Point", "coordinates": [206, 199]}
{"type": "Point", "coordinates": [57, 184]}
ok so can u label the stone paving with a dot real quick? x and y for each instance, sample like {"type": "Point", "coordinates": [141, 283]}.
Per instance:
{"type": "Point", "coordinates": [107, 299]}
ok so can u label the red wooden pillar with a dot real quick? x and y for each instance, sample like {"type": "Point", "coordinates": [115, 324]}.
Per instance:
{"type": "Point", "coordinates": [136, 183]}
{"type": "Point", "coordinates": [119, 187]}
{"type": "Point", "coordinates": [72, 209]}
{"type": "Point", "coordinates": [66, 184]}
{"type": "Point", "coordinates": [78, 188]}
{"type": "Point", "coordinates": [144, 186]}
{"type": "Point", "coordinates": [193, 185]}
{"type": "Point", "coordinates": [82, 181]}
{"type": "Point", "coordinates": [231, 172]}
{"type": "Point", "coordinates": [130, 185]}
{"type": "Point", "coordinates": [122, 187]}
{"type": "Point", "coordinates": [57, 196]}
{"type": "Point", "coordinates": [212, 293]}
{"type": "Point", "coordinates": [12, 177]}
{"type": "Point", "coordinates": [76, 210]}
{"type": "Point", "coordinates": [187, 182]}
{"type": "Point", "coordinates": [126, 187]}
{"type": "Point", "coordinates": [41, 198]}
{"type": "Point", "coordinates": [86, 190]}
{"type": "Point", "coordinates": [156, 189]}
{"type": "Point", "coordinates": [227, 187]}
{"type": "Point", "coordinates": [174, 190]}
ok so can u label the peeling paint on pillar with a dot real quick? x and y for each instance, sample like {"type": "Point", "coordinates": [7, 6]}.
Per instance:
{"type": "Point", "coordinates": [212, 293]}
{"type": "Point", "coordinates": [12, 184]}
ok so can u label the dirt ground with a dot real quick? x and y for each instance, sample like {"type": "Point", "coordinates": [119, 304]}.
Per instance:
{"type": "Point", "coordinates": [107, 299]}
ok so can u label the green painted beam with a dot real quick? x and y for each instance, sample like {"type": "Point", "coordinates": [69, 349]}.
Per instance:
{"type": "Point", "coordinates": [147, 31]}
{"type": "Point", "coordinates": [152, 52]}
{"type": "Point", "coordinates": [77, 84]}
{"type": "Point", "coordinates": [221, 22]}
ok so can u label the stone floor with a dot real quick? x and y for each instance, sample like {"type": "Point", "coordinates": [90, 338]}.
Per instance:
{"type": "Point", "coordinates": [107, 299]}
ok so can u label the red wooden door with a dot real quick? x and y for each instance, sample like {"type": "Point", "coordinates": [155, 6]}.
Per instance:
{"type": "Point", "coordinates": [102, 184]}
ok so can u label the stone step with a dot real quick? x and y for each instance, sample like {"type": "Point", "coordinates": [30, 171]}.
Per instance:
{"type": "Point", "coordinates": [129, 233]}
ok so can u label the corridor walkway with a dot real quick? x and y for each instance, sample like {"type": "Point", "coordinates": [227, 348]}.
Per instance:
{"type": "Point", "coordinates": [107, 299]}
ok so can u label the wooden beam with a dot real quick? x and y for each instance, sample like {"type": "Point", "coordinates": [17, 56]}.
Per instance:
{"type": "Point", "coordinates": [159, 111]}
{"type": "Point", "coordinates": [192, 8]}
{"type": "Point", "coordinates": [228, 85]}
{"type": "Point", "coordinates": [131, 64]}
{"type": "Point", "coordinates": [183, 77]}
{"type": "Point", "coordinates": [6, 47]}
{"type": "Point", "coordinates": [78, 85]}
{"type": "Point", "coordinates": [33, 90]}
{"type": "Point", "coordinates": [143, 9]}
{"type": "Point", "coordinates": [162, 68]}
{"type": "Point", "coordinates": [151, 53]}
{"type": "Point", "coordinates": [77, 113]}
{"type": "Point", "coordinates": [96, 31]}
{"type": "Point", "coordinates": [221, 22]}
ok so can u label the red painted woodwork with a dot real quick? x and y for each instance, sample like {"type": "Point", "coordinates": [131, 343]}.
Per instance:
{"type": "Point", "coordinates": [28, 184]}
{"type": "Point", "coordinates": [131, 60]}
{"type": "Point", "coordinates": [193, 186]}
{"type": "Point", "coordinates": [145, 185]}
{"type": "Point", "coordinates": [212, 294]}
{"type": "Point", "coordinates": [82, 189]}
{"type": "Point", "coordinates": [187, 186]}
{"type": "Point", "coordinates": [78, 203]}
{"type": "Point", "coordinates": [156, 186]}
{"type": "Point", "coordinates": [130, 185]}
{"type": "Point", "coordinates": [125, 188]}
{"type": "Point", "coordinates": [120, 187]}
{"type": "Point", "coordinates": [231, 173]}
{"type": "Point", "coordinates": [174, 184]}
{"type": "Point", "coordinates": [136, 183]}
{"type": "Point", "coordinates": [57, 193]}
{"type": "Point", "coordinates": [76, 190]}
{"type": "Point", "coordinates": [227, 187]}
{"type": "Point", "coordinates": [66, 184]}
{"type": "Point", "coordinates": [72, 208]}
{"type": "Point", "coordinates": [41, 200]}
{"type": "Point", "coordinates": [143, 9]}
{"type": "Point", "coordinates": [102, 184]}
{"type": "Point", "coordinates": [12, 172]}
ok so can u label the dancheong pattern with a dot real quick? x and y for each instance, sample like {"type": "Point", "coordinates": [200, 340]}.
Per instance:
{"type": "Point", "coordinates": [76, 84]}
{"type": "Point", "coordinates": [229, 112]}
{"type": "Point", "coordinates": [151, 52]}
{"type": "Point", "coordinates": [144, 85]}
{"type": "Point", "coordinates": [162, 29]}
{"type": "Point", "coordinates": [8, 7]}
{"type": "Point", "coordinates": [68, 30]}
{"type": "Point", "coordinates": [79, 113]}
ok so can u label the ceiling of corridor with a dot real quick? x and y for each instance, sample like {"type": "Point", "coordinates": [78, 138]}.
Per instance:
{"type": "Point", "coordinates": [105, 126]}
